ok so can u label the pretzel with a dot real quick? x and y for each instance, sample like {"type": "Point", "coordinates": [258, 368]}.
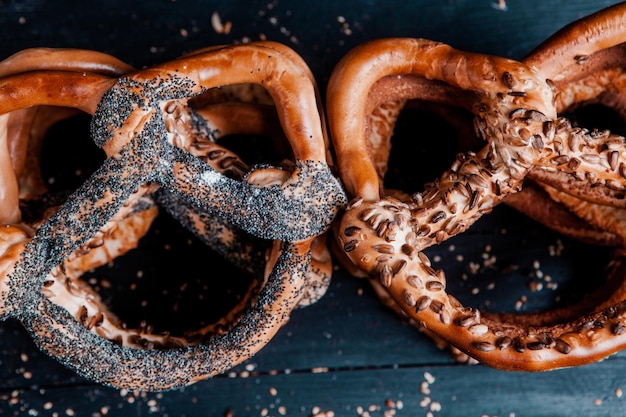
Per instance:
{"type": "Point", "coordinates": [134, 123]}
{"type": "Point", "coordinates": [596, 78]}
{"type": "Point", "coordinates": [383, 236]}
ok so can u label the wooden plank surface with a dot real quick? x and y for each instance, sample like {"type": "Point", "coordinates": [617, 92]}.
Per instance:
{"type": "Point", "coordinates": [347, 354]}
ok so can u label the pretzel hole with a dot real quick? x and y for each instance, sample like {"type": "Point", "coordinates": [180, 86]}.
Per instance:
{"type": "Point", "coordinates": [425, 140]}
{"type": "Point", "coordinates": [170, 291]}
{"type": "Point", "coordinates": [68, 155]}
{"type": "Point", "coordinates": [596, 116]}
{"type": "Point", "coordinates": [260, 148]}
{"type": "Point", "coordinates": [58, 161]}
{"type": "Point", "coordinates": [522, 268]}
{"type": "Point", "coordinates": [243, 119]}
{"type": "Point", "coordinates": [172, 284]}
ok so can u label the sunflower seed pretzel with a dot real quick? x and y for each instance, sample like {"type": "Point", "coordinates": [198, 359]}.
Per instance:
{"type": "Point", "coordinates": [384, 237]}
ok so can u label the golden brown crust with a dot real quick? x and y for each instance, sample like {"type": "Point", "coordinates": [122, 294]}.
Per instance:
{"type": "Point", "coordinates": [63, 59]}
{"type": "Point", "coordinates": [575, 49]}
{"type": "Point", "coordinates": [9, 188]}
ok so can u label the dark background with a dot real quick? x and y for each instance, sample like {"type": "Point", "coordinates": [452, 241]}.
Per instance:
{"type": "Point", "coordinates": [347, 354]}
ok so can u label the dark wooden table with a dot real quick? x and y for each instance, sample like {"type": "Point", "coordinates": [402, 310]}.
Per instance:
{"type": "Point", "coordinates": [348, 354]}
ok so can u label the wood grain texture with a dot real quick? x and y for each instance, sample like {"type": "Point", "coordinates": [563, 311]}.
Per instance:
{"type": "Point", "coordinates": [348, 353]}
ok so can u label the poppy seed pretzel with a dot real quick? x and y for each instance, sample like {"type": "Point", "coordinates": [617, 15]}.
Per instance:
{"type": "Point", "coordinates": [27, 130]}
{"type": "Point", "coordinates": [133, 125]}
{"type": "Point", "coordinates": [66, 289]}
{"type": "Point", "coordinates": [384, 236]}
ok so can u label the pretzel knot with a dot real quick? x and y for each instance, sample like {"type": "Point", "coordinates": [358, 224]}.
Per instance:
{"type": "Point", "coordinates": [144, 124]}
{"type": "Point", "coordinates": [383, 234]}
